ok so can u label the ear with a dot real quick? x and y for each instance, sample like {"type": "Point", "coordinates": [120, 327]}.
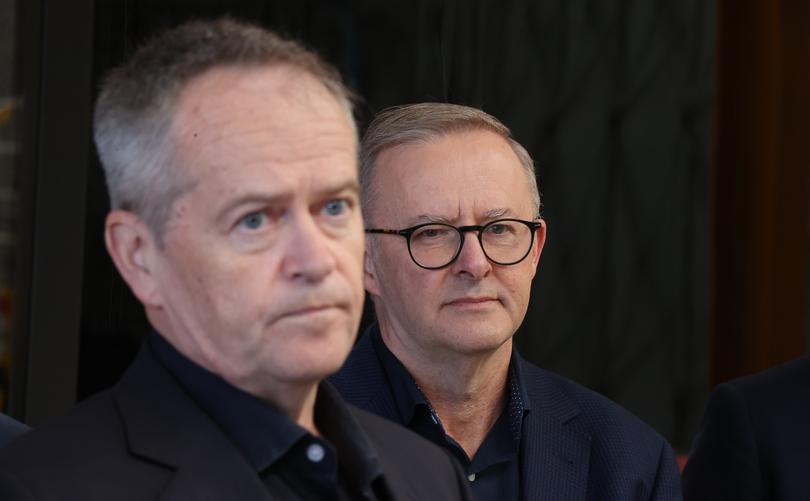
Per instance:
{"type": "Point", "coordinates": [370, 281]}
{"type": "Point", "coordinates": [132, 248]}
{"type": "Point", "coordinates": [537, 246]}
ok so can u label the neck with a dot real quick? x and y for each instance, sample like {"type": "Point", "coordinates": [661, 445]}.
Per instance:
{"type": "Point", "coordinates": [297, 402]}
{"type": "Point", "coordinates": [295, 399]}
{"type": "Point", "coordinates": [467, 391]}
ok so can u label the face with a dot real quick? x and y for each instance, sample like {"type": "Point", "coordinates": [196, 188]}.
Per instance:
{"type": "Point", "coordinates": [260, 277]}
{"type": "Point", "coordinates": [471, 306]}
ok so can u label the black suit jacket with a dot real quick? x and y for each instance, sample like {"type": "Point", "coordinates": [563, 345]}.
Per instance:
{"type": "Point", "coordinates": [147, 439]}
{"type": "Point", "coordinates": [576, 444]}
{"type": "Point", "coordinates": [9, 429]}
{"type": "Point", "coordinates": [754, 440]}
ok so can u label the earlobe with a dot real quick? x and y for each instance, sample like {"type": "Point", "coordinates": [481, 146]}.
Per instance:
{"type": "Point", "coordinates": [130, 244]}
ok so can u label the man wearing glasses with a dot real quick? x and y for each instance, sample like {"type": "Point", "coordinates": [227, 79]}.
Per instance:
{"type": "Point", "coordinates": [451, 207]}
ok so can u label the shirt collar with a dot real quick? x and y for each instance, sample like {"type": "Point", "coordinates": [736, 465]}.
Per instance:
{"type": "Point", "coordinates": [518, 400]}
{"type": "Point", "coordinates": [409, 397]}
{"type": "Point", "coordinates": [264, 433]}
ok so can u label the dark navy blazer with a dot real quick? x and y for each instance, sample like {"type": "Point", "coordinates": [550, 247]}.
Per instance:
{"type": "Point", "coordinates": [576, 444]}
{"type": "Point", "coordinates": [147, 439]}
{"type": "Point", "coordinates": [754, 441]}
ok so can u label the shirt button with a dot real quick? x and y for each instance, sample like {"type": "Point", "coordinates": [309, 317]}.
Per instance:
{"type": "Point", "coordinates": [315, 453]}
{"type": "Point", "coordinates": [471, 477]}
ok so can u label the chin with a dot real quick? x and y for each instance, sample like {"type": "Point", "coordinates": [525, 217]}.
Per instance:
{"type": "Point", "coordinates": [319, 360]}
{"type": "Point", "coordinates": [478, 340]}
{"type": "Point", "coordinates": [309, 375]}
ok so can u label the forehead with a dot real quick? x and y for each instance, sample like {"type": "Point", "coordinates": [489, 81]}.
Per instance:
{"type": "Point", "coordinates": [231, 103]}
{"type": "Point", "coordinates": [457, 175]}
{"type": "Point", "coordinates": [236, 127]}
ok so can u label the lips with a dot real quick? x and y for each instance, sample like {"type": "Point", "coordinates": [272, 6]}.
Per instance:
{"type": "Point", "coordinates": [307, 310]}
{"type": "Point", "coordinates": [472, 300]}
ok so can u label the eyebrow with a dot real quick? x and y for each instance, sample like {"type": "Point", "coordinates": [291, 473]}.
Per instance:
{"type": "Point", "coordinates": [250, 199]}
{"type": "Point", "coordinates": [270, 199]}
{"type": "Point", "coordinates": [496, 213]}
{"type": "Point", "coordinates": [435, 218]}
{"type": "Point", "coordinates": [429, 218]}
{"type": "Point", "coordinates": [350, 185]}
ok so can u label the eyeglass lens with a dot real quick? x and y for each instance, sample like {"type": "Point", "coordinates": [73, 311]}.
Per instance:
{"type": "Point", "coordinates": [504, 242]}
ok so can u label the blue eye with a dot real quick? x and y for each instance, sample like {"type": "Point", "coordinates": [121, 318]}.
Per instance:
{"type": "Point", "coordinates": [336, 207]}
{"type": "Point", "coordinates": [253, 221]}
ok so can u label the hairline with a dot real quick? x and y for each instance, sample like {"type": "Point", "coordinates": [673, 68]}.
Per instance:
{"type": "Point", "coordinates": [429, 135]}
{"type": "Point", "coordinates": [160, 120]}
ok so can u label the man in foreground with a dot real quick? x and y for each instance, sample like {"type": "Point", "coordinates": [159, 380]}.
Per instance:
{"type": "Point", "coordinates": [230, 157]}
{"type": "Point", "coordinates": [452, 207]}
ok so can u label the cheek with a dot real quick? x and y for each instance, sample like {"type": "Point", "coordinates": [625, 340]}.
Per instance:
{"type": "Point", "coordinates": [350, 256]}
{"type": "Point", "coordinates": [424, 290]}
{"type": "Point", "coordinates": [519, 285]}
{"type": "Point", "coordinates": [404, 285]}
{"type": "Point", "coordinates": [225, 290]}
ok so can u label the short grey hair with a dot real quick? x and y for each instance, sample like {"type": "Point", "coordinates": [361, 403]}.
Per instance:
{"type": "Point", "coordinates": [137, 102]}
{"type": "Point", "coordinates": [423, 123]}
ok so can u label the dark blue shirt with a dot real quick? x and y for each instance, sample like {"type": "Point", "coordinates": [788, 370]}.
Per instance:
{"type": "Point", "coordinates": [494, 472]}
{"type": "Point", "coordinates": [291, 462]}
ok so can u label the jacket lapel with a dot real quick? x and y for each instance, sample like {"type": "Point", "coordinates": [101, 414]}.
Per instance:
{"type": "Point", "coordinates": [555, 452]}
{"type": "Point", "coordinates": [164, 425]}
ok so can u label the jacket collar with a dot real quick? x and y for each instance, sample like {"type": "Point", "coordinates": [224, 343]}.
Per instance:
{"type": "Point", "coordinates": [555, 448]}
{"type": "Point", "coordinates": [163, 425]}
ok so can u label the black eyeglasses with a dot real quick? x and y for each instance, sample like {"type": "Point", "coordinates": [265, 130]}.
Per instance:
{"type": "Point", "coordinates": [436, 245]}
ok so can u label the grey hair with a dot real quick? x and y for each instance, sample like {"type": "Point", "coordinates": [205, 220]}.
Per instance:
{"type": "Point", "coordinates": [423, 123]}
{"type": "Point", "coordinates": [137, 101]}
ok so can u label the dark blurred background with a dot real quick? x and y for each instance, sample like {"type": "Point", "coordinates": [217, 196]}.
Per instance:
{"type": "Point", "coordinates": [671, 142]}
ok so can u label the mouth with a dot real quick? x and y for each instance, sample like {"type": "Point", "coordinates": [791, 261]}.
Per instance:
{"type": "Point", "coordinates": [312, 310]}
{"type": "Point", "coordinates": [473, 301]}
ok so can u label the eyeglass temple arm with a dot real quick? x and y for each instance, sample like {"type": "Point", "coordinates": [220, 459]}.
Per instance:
{"type": "Point", "coordinates": [385, 232]}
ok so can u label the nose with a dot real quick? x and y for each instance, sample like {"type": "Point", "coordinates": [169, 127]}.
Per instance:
{"type": "Point", "coordinates": [308, 256]}
{"type": "Point", "coordinates": [472, 262]}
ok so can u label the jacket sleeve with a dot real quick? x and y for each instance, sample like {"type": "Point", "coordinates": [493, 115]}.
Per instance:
{"type": "Point", "coordinates": [724, 463]}
{"type": "Point", "coordinates": [667, 485]}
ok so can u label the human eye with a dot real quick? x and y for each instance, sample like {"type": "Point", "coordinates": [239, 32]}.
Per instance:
{"type": "Point", "coordinates": [252, 221]}
{"type": "Point", "coordinates": [336, 207]}
{"type": "Point", "coordinates": [501, 229]}
{"type": "Point", "coordinates": [428, 233]}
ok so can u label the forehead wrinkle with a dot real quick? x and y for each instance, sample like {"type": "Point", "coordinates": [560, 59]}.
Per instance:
{"type": "Point", "coordinates": [429, 218]}
{"type": "Point", "coordinates": [496, 213]}
{"type": "Point", "coordinates": [277, 144]}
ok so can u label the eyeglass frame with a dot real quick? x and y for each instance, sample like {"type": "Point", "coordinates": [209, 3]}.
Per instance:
{"type": "Point", "coordinates": [461, 230]}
